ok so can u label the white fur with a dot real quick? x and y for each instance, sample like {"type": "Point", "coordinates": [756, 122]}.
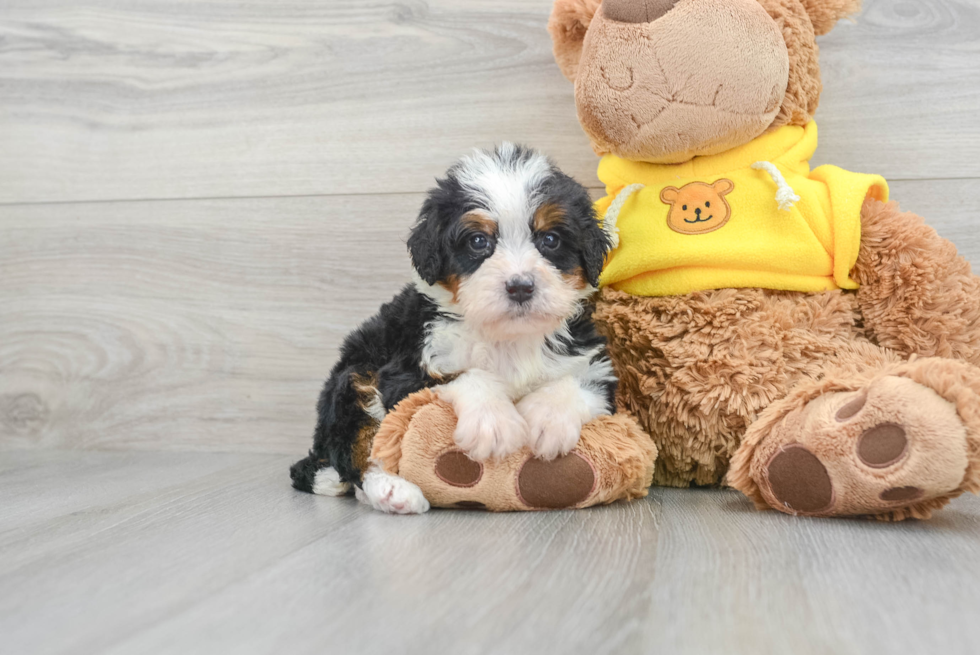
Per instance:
{"type": "Point", "coordinates": [487, 422]}
{"type": "Point", "coordinates": [555, 414]}
{"type": "Point", "coordinates": [375, 408]}
{"type": "Point", "coordinates": [327, 482]}
{"type": "Point", "coordinates": [499, 373]}
{"type": "Point", "coordinates": [390, 493]}
{"type": "Point", "coordinates": [505, 185]}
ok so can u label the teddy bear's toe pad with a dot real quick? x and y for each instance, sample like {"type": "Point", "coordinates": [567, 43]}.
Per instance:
{"type": "Point", "coordinates": [455, 468]}
{"type": "Point", "coordinates": [871, 451]}
{"type": "Point", "coordinates": [799, 481]}
{"type": "Point", "coordinates": [882, 445]}
{"type": "Point", "coordinates": [556, 484]}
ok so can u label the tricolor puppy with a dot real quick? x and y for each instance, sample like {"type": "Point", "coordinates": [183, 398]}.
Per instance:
{"type": "Point", "coordinates": [507, 251]}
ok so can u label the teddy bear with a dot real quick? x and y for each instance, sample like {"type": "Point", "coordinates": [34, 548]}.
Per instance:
{"type": "Point", "coordinates": [784, 330]}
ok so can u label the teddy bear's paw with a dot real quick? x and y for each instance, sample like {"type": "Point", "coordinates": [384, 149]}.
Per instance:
{"type": "Point", "coordinates": [553, 429]}
{"type": "Point", "coordinates": [890, 445]}
{"type": "Point", "coordinates": [489, 428]}
{"type": "Point", "coordinates": [391, 494]}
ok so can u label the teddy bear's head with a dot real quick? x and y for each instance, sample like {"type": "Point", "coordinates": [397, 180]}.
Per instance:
{"type": "Point", "coordinates": [665, 80]}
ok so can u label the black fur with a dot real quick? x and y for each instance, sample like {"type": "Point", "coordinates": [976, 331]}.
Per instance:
{"type": "Point", "coordinates": [386, 348]}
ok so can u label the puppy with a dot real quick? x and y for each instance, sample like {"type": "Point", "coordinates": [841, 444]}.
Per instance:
{"type": "Point", "coordinates": [507, 250]}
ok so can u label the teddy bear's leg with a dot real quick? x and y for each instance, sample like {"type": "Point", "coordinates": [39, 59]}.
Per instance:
{"type": "Point", "coordinates": [917, 295]}
{"type": "Point", "coordinates": [612, 460]}
{"type": "Point", "coordinates": [871, 437]}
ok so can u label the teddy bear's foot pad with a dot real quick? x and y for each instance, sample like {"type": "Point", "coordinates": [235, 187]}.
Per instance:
{"type": "Point", "coordinates": [563, 482]}
{"type": "Point", "coordinates": [875, 451]}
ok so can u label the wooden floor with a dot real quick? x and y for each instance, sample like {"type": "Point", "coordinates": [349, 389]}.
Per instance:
{"type": "Point", "coordinates": [199, 198]}
{"type": "Point", "coordinates": [211, 553]}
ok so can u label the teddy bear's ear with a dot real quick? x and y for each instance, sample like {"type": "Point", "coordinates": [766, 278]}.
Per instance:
{"type": "Point", "coordinates": [568, 24]}
{"type": "Point", "coordinates": [824, 14]}
{"type": "Point", "coordinates": [669, 195]}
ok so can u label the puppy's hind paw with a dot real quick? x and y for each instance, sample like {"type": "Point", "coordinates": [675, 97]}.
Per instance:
{"type": "Point", "coordinates": [391, 494]}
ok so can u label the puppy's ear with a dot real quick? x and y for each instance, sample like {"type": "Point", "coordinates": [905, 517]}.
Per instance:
{"type": "Point", "coordinates": [595, 247]}
{"type": "Point", "coordinates": [824, 14]}
{"type": "Point", "coordinates": [568, 24]}
{"type": "Point", "coordinates": [425, 244]}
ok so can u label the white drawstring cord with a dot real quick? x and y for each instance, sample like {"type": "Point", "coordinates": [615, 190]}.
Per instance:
{"type": "Point", "coordinates": [785, 195]}
{"type": "Point", "coordinates": [612, 214]}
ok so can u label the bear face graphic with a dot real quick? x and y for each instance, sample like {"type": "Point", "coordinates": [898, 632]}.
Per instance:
{"type": "Point", "coordinates": [698, 207]}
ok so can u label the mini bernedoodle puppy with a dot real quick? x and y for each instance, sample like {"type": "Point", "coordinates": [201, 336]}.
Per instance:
{"type": "Point", "coordinates": [507, 250]}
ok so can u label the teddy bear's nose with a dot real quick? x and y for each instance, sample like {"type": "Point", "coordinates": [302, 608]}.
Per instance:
{"type": "Point", "coordinates": [636, 11]}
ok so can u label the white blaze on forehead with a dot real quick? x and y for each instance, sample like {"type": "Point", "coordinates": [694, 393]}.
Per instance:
{"type": "Point", "coordinates": [506, 183]}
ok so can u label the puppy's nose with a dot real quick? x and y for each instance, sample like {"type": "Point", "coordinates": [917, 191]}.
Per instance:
{"type": "Point", "coordinates": [636, 11]}
{"type": "Point", "coordinates": [520, 289]}
{"type": "Point", "coordinates": [697, 210]}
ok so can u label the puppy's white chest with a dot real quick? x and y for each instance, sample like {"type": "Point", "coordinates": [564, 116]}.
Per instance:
{"type": "Point", "coordinates": [521, 365]}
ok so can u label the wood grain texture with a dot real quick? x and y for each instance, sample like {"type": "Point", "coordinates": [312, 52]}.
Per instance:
{"type": "Point", "coordinates": [187, 99]}
{"type": "Point", "coordinates": [212, 553]}
{"type": "Point", "coordinates": [186, 324]}
{"type": "Point", "coordinates": [210, 325]}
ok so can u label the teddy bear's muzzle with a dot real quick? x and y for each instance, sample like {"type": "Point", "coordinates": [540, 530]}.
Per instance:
{"type": "Point", "coordinates": [636, 11]}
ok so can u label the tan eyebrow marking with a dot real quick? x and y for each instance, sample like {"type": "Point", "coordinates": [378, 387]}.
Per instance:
{"type": "Point", "coordinates": [477, 220]}
{"type": "Point", "coordinates": [547, 216]}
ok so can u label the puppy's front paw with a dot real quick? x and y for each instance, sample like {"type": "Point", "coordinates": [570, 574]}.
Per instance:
{"type": "Point", "coordinates": [489, 427]}
{"type": "Point", "coordinates": [553, 429]}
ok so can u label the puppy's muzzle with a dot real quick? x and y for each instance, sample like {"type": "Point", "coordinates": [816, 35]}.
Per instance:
{"type": "Point", "coordinates": [520, 290]}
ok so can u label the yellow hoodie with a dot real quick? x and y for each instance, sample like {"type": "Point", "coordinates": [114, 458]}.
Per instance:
{"type": "Point", "coordinates": [753, 216]}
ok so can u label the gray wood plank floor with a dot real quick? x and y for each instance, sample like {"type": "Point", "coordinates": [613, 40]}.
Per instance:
{"type": "Point", "coordinates": [198, 199]}
{"type": "Point", "coordinates": [213, 553]}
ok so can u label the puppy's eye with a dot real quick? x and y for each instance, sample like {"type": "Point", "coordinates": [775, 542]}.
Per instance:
{"type": "Point", "coordinates": [550, 240]}
{"type": "Point", "coordinates": [684, 207]}
{"type": "Point", "coordinates": [707, 203]}
{"type": "Point", "coordinates": [479, 242]}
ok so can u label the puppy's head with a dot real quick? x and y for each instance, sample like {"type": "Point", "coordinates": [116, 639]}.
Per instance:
{"type": "Point", "coordinates": [508, 242]}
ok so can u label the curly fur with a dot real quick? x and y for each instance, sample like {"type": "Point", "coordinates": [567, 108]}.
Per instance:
{"type": "Point", "coordinates": [917, 294]}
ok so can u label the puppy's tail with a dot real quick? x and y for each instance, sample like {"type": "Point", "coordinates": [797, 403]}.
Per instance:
{"type": "Point", "coordinates": [303, 473]}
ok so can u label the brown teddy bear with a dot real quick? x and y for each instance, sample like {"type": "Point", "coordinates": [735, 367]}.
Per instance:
{"type": "Point", "coordinates": [787, 331]}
